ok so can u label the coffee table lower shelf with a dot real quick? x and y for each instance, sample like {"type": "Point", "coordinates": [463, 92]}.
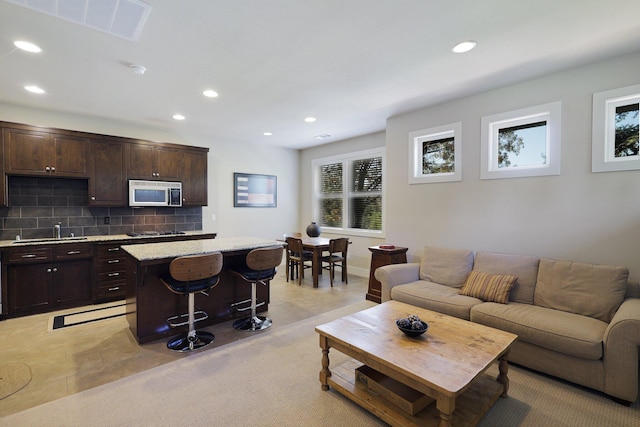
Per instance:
{"type": "Point", "coordinates": [470, 406]}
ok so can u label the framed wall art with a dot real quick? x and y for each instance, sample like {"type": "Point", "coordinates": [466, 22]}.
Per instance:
{"type": "Point", "coordinates": [254, 191]}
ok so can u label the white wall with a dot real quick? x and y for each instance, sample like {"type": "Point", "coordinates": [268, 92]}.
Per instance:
{"type": "Point", "coordinates": [225, 157]}
{"type": "Point", "coordinates": [578, 215]}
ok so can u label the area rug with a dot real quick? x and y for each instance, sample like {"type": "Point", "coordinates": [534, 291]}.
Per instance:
{"type": "Point", "coordinates": [87, 315]}
{"type": "Point", "coordinates": [13, 378]}
{"type": "Point", "coordinates": [272, 379]}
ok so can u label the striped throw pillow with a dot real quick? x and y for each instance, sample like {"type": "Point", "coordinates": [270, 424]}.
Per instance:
{"type": "Point", "coordinates": [488, 287]}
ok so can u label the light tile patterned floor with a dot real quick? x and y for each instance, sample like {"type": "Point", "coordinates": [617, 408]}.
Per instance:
{"type": "Point", "coordinates": [77, 358]}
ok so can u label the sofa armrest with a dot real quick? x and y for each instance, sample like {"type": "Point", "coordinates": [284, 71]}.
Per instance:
{"type": "Point", "coordinates": [621, 342]}
{"type": "Point", "coordinates": [396, 274]}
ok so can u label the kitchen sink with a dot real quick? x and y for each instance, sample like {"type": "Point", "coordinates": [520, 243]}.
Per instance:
{"type": "Point", "coordinates": [49, 239]}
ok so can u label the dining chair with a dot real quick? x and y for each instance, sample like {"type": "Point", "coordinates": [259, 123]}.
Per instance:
{"type": "Point", "coordinates": [288, 254]}
{"type": "Point", "coordinates": [298, 258]}
{"type": "Point", "coordinates": [337, 255]}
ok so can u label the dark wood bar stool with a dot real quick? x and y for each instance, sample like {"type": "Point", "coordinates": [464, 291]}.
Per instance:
{"type": "Point", "coordinates": [260, 267]}
{"type": "Point", "coordinates": [189, 275]}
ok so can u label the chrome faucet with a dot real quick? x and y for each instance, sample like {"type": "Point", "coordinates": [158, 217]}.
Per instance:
{"type": "Point", "coordinates": [56, 230]}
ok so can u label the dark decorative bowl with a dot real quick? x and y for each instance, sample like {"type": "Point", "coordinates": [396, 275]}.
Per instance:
{"type": "Point", "coordinates": [414, 332]}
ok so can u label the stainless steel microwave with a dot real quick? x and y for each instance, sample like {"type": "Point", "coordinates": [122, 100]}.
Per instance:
{"type": "Point", "coordinates": [155, 193]}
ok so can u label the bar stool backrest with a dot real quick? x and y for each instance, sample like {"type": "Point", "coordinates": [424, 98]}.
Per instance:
{"type": "Point", "coordinates": [196, 267]}
{"type": "Point", "coordinates": [264, 258]}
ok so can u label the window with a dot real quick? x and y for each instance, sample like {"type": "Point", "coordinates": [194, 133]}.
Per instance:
{"type": "Point", "coordinates": [616, 124]}
{"type": "Point", "coordinates": [435, 155]}
{"type": "Point", "coordinates": [348, 192]}
{"type": "Point", "coordinates": [521, 143]}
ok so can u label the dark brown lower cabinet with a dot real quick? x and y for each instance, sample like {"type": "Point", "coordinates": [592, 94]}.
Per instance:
{"type": "Point", "coordinates": [38, 288]}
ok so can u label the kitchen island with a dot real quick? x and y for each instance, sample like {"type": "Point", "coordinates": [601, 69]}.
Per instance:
{"type": "Point", "coordinates": [150, 303]}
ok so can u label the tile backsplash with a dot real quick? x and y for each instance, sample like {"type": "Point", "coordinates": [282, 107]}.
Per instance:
{"type": "Point", "coordinates": [37, 204]}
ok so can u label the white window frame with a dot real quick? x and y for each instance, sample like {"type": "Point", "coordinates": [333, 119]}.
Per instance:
{"type": "Point", "coordinates": [604, 130]}
{"type": "Point", "coordinates": [417, 138]}
{"type": "Point", "coordinates": [345, 159]}
{"type": "Point", "coordinates": [491, 126]}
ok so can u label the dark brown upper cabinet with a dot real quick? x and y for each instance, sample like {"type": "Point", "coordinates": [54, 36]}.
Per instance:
{"type": "Point", "coordinates": [42, 153]}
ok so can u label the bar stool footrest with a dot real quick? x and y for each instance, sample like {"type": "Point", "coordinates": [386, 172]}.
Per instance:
{"type": "Point", "coordinates": [260, 304]}
{"type": "Point", "coordinates": [198, 316]}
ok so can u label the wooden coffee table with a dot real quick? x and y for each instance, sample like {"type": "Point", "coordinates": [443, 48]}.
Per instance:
{"type": "Point", "coordinates": [447, 363]}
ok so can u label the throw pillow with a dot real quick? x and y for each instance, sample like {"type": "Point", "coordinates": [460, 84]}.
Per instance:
{"type": "Point", "coordinates": [594, 290]}
{"type": "Point", "coordinates": [444, 266]}
{"type": "Point", "coordinates": [488, 287]}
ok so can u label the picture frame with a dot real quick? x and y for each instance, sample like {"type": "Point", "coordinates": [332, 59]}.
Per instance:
{"type": "Point", "coordinates": [435, 154]}
{"type": "Point", "coordinates": [615, 130]}
{"type": "Point", "coordinates": [254, 190]}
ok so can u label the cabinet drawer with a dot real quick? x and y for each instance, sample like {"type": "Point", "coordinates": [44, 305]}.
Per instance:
{"type": "Point", "coordinates": [111, 290]}
{"type": "Point", "coordinates": [68, 251]}
{"type": "Point", "coordinates": [111, 276]}
{"type": "Point", "coordinates": [27, 255]}
{"type": "Point", "coordinates": [110, 264]}
{"type": "Point", "coordinates": [109, 251]}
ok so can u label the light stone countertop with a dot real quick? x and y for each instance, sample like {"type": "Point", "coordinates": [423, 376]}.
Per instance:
{"type": "Point", "coordinates": [106, 238]}
{"type": "Point", "coordinates": [162, 250]}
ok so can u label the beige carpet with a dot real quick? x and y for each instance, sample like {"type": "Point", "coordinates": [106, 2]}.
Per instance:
{"type": "Point", "coordinates": [271, 379]}
{"type": "Point", "coordinates": [13, 378]}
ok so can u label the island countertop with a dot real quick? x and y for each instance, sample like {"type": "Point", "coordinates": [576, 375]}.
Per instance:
{"type": "Point", "coordinates": [157, 251]}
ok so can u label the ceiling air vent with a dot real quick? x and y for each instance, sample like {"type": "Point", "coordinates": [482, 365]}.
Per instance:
{"type": "Point", "coordinates": [122, 18]}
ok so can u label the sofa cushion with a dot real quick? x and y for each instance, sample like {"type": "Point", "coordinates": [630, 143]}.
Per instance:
{"type": "Point", "coordinates": [488, 287]}
{"type": "Point", "coordinates": [589, 289]}
{"type": "Point", "coordinates": [556, 330]}
{"type": "Point", "coordinates": [433, 296]}
{"type": "Point", "coordinates": [445, 266]}
{"type": "Point", "coordinates": [522, 266]}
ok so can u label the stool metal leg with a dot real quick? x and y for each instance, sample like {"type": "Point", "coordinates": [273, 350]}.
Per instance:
{"type": "Point", "coordinates": [255, 322]}
{"type": "Point", "coordinates": [193, 340]}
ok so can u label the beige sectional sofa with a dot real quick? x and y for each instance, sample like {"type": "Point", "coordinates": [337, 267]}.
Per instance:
{"type": "Point", "coordinates": [576, 321]}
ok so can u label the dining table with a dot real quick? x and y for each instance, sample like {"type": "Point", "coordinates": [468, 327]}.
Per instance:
{"type": "Point", "coordinates": [316, 245]}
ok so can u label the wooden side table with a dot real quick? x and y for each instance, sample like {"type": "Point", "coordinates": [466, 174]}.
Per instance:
{"type": "Point", "coordinates": [380, 257]}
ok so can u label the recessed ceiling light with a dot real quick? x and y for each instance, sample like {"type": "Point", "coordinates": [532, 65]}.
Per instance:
{"type": "Point", "coordinates": [137, 69]}
{"type": "Point", "coordinates": [29, 47]}
{"type": "Point", "coordinates": [210, 93]}
{"type": "Point", "coordinates": [310, 119]}
{"type": "Point", "coordinates": [267, 133]}
{"type": "Point", "coordinates": [178, 117]}
{"type": "Point", "coordinates": [34, 89]}
{"type": "Point", "coordinates": [463, 47]}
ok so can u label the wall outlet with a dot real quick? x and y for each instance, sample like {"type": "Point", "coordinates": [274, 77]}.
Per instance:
{"type": "Point", "coordinates": [213, 217]}
{"type": "Point", "coordinates": [107, 220]}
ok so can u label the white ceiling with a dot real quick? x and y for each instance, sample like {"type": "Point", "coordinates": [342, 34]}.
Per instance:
{"type": "Point", "coordinates": [349, 63]}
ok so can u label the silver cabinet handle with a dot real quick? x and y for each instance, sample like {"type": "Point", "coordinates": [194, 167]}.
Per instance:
{"type": "Point", "coordinates": [73, 252]}
{"type": "Point", "coordinates": [113, 274]}
{"type": "Point", "coordinates": [55, 269]}
{"type": "Point", "coordinates": [47, 168]}
{"type": "Point", "coordinates": [48, 270]}
{"type": "Point", "coordinates": [53, 168]}
{"type": "Point", "coordinates": [29, 256]}
{"type": "Point", "coordinates": [114, 289]}
{"type": "Point", "coordinates": [113, 249]}
{"type": "Point", "coordinates": [113, 261]}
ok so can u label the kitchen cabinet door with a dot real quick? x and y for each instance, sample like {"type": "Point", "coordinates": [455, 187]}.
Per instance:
{"type": "Point", "coordinates": [108, 183]}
